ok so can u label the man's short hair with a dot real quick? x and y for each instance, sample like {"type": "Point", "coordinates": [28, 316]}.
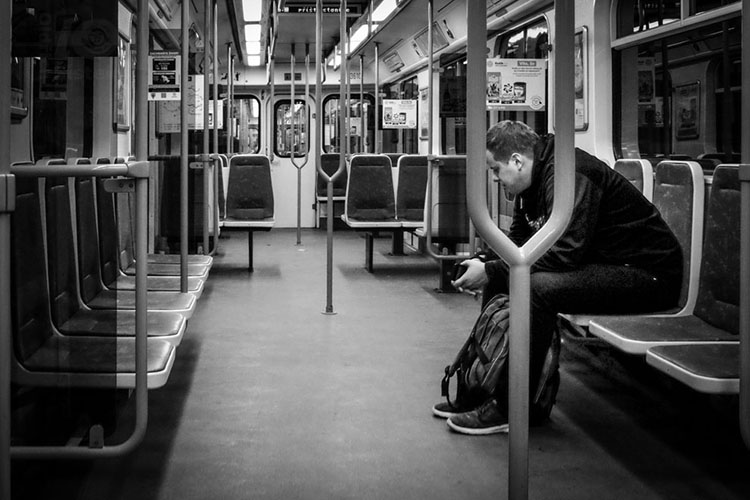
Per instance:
{"type": "Point", "coordinates": [508, 136]}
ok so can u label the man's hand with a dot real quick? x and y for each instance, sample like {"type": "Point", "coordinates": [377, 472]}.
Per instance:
{"type": "Point", "coordinates": [474, 279]}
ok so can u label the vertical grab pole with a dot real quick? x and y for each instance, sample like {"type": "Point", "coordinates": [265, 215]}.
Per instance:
{"type": "Point", "coordinates": [7, 202]}
{"type": "Point", "coordinates": [228, 124]}
{"type": "Point", "coordinates": [217, 164]}
{"type": "Point", "coordinates": [292, 135]}
{"type": "Point", "coordinates": [363, 124]}
{"type": "Point", "coordinates": [206, 156]}
{"type": "Point", "coordinates": [377, 97]}
{"type": "Point", "coordinates": [184, 145]}
{"type": "Point", "coordinates": [745, 233]}
{"type": "Point", "coordinates": [430, 64]}
{"type": "Point", "coordinates": [519, 259]}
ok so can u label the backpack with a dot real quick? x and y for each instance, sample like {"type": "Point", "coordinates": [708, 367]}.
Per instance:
{"type": "Point", "coordinates": [482, 360]}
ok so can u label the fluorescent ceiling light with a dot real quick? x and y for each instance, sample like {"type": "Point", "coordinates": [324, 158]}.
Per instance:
{"type": "Point", "coordinates": [252, 32]}
{"type": "Point", "coordinates": [251, 10]}
{"type": "Point", "coordinates": [358, 37]}
{"type": "Point", "coordinates": [383, 10]}
{"type": "Point", "coordinates": [253, 60]}
{"type": "Point", "coordinates": [253, 48]}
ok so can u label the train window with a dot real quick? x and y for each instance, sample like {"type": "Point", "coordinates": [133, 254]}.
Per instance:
{"type": "Point", "coordinates": [453, 107]}
{"type": "Point", "coordinates": [401, 140]}
{"type": "Point", "coordinates": [361, 124]}
{"type": "Point", "coordinates": [698, 6]}
{"type": "Point", "coordinates": [247, 124]}
{"type": "Point", "coordinates": [528, 42]}
{"type": "Point", "coordinates": [673, 89]}
{"type": "Point", "coordinates": [291, 126]}
{"type": "Point", "coordinates": [636, 16]}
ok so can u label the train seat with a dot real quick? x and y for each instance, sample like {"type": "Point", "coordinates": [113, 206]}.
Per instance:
{"type": "Point", "coordinates": [678, 194]}
{"type": "Point", "coordinates": [69, 315]}
{"type": "Point", "coordinates": [715, 317]}
{"type": "Point", "coordinates": [249, 201]}
{"type": "Point", "coordinates": [112, 276]}
{"type": "Point", "coordinates": [93, 292]}
{"type": "Point", "coordinates": [41, 356]}
{"type": "Point", "coordinates": [370, 204]}
{"type": "Point", "coordinates": [640, 173]}
{"type": "Point", "coordinates": [411, 186]}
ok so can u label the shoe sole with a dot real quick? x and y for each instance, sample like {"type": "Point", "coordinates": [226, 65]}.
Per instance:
{"type": "Point", "coordinates": [496, 429]}
{"type": "Point", "coordinates": [442, 414]}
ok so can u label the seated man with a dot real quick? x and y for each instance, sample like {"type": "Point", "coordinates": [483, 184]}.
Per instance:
{"type": "Point", "coordinates": [617, 254]}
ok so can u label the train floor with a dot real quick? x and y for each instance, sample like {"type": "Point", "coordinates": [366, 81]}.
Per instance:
{"type": "Point", "coordinates": [269, 398]}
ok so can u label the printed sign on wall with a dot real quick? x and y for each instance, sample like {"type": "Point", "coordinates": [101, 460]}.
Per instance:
{"type": "Point", "coordinates": [516, 84]}
{"type": "Point", "coordinates": [399, 113]}
{"type": "Point", "coordinates": [164, 76]}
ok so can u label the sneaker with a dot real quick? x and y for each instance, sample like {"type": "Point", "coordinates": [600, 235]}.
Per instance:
{"type": "Point", "coordinates": [448, 410]}
{"type": "Point", "coordinates": [487, 419]}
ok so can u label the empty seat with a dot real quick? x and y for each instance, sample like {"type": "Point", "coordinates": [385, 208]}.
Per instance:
{"type": "Point", "coordinates": [410, 190]}
{"type": "Point", "coordinates": [69, 315]}
{"type": "Point", "coordinates": [41, 355]}
{"type": "Point", "coordinates": [370, 198]}
{"type": "Point", "coordinates": [112, 276]}
{"type": "Point", "coordinates": [716, 313]}
{"type": "Point", "coordinates": [93, 292]}
{"type": "Point", "coordinates": [250, 201]}
{"type": "Point", "coordinates": [639, 172]}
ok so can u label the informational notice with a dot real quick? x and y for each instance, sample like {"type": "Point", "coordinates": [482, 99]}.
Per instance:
{"type": "Point", "coordinates": [164, 76]}
{"type": "Point", "coordinates": [516, 84]}
{"type": "Point", "coordinates": [399, 113]}
{"type": "Point", "coordinates": [168, 117]}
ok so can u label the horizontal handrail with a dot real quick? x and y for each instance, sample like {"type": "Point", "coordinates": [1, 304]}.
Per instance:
{"type": "Point", "coordinates": [131, 169]}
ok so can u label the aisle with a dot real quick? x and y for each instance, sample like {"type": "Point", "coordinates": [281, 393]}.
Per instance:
{"type": "Point", "coordinates": [271, 399]}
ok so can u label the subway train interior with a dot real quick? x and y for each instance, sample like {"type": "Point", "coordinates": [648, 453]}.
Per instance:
{"type": "Point", "coordinates": [228, 232]}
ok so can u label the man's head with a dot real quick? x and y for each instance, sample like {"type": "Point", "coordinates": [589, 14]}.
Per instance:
{"type": "Point", "coordinates": [510, 154]}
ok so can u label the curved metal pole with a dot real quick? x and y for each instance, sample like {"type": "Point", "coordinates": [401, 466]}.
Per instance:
{"type": "Point", "coordinates": [745, 233]}
{"type": "Point", "coordinates": [206, 157]}
{"type": "Point", "coordinates": [520, 259]}
{"type": "Point", "coordinates": [184, 120]}
{"type": "Point", "coordinates": [294, 134]}
{"type": "Point", "coordinates": [7, 204]}
{"type": "Point", "coordinates": [272, 97]}
{"type": "Point", "coordinates": [140, 171]}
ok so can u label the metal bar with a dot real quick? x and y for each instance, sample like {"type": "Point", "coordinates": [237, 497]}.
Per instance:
{"type": "Point", "coordinates": [6, 343]}
{"type": "Point", "coordinates": [228, 124]}
{"type": "Point", "coordinates": [378, 135]}
{"type": "Point", "coordinates": [430, 66]}
{"type": "Point", "coordinates": [745, 233]}
{"type": "Point", "coordinates": [217, 164]}
{"type": "Point", "coordinates": [184, 120]}
{"type": "Point", "coordinates": [520, 259]}
{"type": "Point", "coordinates": [363, 124]}
{"type": "Point", "coordinates": [206, 160]}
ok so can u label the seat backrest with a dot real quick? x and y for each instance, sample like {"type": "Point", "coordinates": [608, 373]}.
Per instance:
{"type": "Point", "coordinates": [369, 190]}
{"type": "Point", "coordinates": [107, 229]}
{"type": "Point", "coordinates": [29, 292]}
{"type": "Point", "coordinates": [250, 192]}
{"type": "Point", "coordinates": [61, 251]}
{"type": "Point", "coordinates": [719, 290]}
{"type": "Point", "coordinates": [329, 162]}
{"type": "Point", "coordinates": [639, 172]}
{"type": "Point", "coordinates": [412, 186]}
{"type": "Point", "coordinates": [89, 270]}
{"type": "Point", "coordinates": [223, 168]}
{"type": "Point", "coordinates": [679, 197]}
{"type": "Point", "coordinates": [450, 216]}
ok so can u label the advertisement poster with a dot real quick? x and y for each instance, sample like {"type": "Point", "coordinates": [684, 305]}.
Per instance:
{"type": "Point", "coordinates": [580, 82]}
{"type": "Point", "coordinates": [399, 113]}
{"type": "Point", "coordinates": [646, 79]}
{"type": "Point", "coordinates": [53, 83]}
{"type": "Point", "coordinates": [164, 76]}
{"type": "Point", "coordinates": [516, 84]}
{"type": "Point", "coordinates": [687, 110]}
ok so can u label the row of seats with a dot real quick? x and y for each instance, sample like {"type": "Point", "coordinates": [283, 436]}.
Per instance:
{"type": "Point", "coordinates": [73, 284]}
{"type": "Point", "coordinates": [697, 342]}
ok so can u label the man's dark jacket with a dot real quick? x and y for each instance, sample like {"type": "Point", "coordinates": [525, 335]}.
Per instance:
{"type": "Point", "coordinates": [612, 221]}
